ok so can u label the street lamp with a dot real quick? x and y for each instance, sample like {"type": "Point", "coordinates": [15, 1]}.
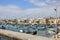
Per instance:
{"type": "Point", "coordinates": [56, 14]}
{"type": "Point", "coordinates": [56, 11]}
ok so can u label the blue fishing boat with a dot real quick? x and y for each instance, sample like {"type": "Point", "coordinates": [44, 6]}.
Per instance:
{"type": "Point", "coordinates": [41, 27]}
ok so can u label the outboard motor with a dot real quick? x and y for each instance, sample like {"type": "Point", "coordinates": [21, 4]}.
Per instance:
{"type": "Point", "coordinates": [34, 32]}
{"type": "Point", "coordinates": [3, 27]}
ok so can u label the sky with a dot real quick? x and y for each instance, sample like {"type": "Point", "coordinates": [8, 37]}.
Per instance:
{"type": "Point", "coordinates": [29, 8]}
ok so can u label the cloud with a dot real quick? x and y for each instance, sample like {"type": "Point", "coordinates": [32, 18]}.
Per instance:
{"type": "Point", "coordinates": [43, 3]}
{"type": "Point", "coordinates": [8, 10]}
{"type": "Point", "coordinates": [13, 11]}
{"type": "Point", "coordinates": [37, 2]}
{"type": "Point", "coordinates": [45, 8]}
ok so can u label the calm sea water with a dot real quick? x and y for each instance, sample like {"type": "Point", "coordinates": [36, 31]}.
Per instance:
{"type": "Point", "coordinates": [17, 28]}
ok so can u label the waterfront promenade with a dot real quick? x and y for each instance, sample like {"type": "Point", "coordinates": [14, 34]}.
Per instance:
{"type": "Point", "coordinates": [23, 36]}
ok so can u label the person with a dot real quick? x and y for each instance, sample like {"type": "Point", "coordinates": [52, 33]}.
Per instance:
{"type": "Point", "coordinates": [58, 32]}
{"type": "Point", "coordinates": [56, 35]}
{"type": "Point", "coordinates": [34, 29]}
{"type": "Point", "coordinates": [34, 26]}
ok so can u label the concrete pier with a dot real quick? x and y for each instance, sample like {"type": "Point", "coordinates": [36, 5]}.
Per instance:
{"type": "Point", "coordinates": [23, 36]}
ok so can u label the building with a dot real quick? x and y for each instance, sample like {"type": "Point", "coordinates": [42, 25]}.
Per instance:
{"type": "Point", "coordinates": [2, 21]}
{"type": "Point", "coordinates": [19, 21]}
{"type": "Point", "coordinates": [54, 21]}
{"type": "Point", "coordinates": [10, 21]}
{"type": "Point", "coordinates": [42, 20]}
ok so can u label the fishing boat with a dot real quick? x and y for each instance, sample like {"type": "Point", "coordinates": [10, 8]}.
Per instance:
{"type": "Point", "coordinates": [51, 30]}
{"type": "Point", "coordinates": [41, 27]}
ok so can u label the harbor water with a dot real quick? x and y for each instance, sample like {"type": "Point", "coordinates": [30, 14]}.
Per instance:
{"type": "Point", "coordinates": [19, 27]}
